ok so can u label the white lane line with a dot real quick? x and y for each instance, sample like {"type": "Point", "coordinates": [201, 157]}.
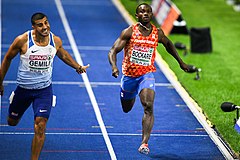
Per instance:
{"type": "Point", "coordinates": [170, 75]}
{"type": "Point", "coordinates": [110, 134]}
{"type": "Point", "coordinates": [93, 83]}
{"type": "Point", "coordinates": [85, 79]}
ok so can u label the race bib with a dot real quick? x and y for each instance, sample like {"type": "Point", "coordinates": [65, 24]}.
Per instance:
{"type": "Point", "coordinates": [40, 63]}
{"type": "Point", "coordinates": [141, 55]}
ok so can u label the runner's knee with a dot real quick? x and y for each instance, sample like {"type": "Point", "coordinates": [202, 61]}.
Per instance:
{"type": "Point", "coordinates": [148, 107]}
{"type": "Point", "coordinates": [40, 126]}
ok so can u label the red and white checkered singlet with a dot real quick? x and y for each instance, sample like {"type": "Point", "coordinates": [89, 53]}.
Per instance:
{"type": "Point", "coordinates": [139, 53]}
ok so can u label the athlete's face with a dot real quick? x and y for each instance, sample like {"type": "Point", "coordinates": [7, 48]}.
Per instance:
{"type": "Point", "coordinates": [42, 27]}
{"type": "Point", "coordinates": [144, 13]}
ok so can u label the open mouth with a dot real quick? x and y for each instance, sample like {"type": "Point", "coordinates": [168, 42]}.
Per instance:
{"type": "Point", "coordinates": [45, 31]}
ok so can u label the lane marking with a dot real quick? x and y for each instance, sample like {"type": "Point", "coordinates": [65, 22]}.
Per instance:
{"type": "Point", "coordinates": [85, 78]}
{"type": "Point", "coordinates": [93, 83]}
{"type": "Point", "coordinates": [74, 151]}
{"type": "Point", "coordinates": [110, 134]}
{"type": "Point", "coordinates": [170, 75]}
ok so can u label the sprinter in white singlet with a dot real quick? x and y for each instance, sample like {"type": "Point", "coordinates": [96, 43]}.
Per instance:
{"type": "Point", "coordinates": [37, 49]}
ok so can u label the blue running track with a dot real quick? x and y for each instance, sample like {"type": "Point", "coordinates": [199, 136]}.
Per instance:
{"type": "Point", "coordinates": [87, 122]}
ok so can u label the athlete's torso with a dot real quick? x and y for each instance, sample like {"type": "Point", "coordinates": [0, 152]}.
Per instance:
{"type": "Point", "coordinates": [35, 68]}
{"type": "Point", "coordinates": [139, 53]}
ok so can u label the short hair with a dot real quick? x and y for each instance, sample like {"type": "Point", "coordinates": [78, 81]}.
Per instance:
{"type": "Point", "coordinates": [142, 4]}
{"type": "Point", "coordinates": [37, 16]}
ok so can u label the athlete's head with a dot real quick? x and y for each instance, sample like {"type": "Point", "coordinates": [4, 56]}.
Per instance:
{"type": "Point", "coordinates": [40, 24]}
{"type": "Point", "coordinates": [37, 16]}
{"type": "Point", "coordinates": [144, 13]}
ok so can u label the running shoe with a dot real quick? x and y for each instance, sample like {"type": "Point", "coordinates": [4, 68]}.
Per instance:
{"type": "Point", "coordinates": [144, 149]}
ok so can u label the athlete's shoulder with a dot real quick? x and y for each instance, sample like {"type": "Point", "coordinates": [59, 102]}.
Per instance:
{"type": "Point", "coordinates": [160, 33]}
{"type": "Point", "coordinates": [57, 41]}
{"type": "Point", "coordinates": [21, 39]}
{"type": "Point", "coordinates": [129, 29]}
{"type": "Point", "coordinates": [155, 28]}
{"type": "Point", "coordinates": [127, 33]}
{"type": "Point", "coordinates": [56, 38]}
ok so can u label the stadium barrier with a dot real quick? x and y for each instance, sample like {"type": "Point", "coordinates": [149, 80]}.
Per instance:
{"type": "Point", "coordinates": [168, 16]}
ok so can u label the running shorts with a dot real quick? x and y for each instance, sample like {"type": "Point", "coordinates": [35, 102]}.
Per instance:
{"type": "Point", "coordinates": [21, 99]}
{"type": "Point", "coordinates": [131, 86]}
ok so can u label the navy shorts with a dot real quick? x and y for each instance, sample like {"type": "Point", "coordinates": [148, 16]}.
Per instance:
{"type": "Point", "coordinates": [131, 86]}
{"type": "Point", "coordinates": [41, 100]}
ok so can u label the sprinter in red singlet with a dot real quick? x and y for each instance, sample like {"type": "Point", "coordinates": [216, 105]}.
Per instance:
{"type": "Point", "coordinates": [139, 42]}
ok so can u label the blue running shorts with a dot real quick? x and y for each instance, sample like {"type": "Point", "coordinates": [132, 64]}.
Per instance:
{"type": "Point", "coordinates": [131, 86]}
{"type": "Point", "coordinates": [41, 100]}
